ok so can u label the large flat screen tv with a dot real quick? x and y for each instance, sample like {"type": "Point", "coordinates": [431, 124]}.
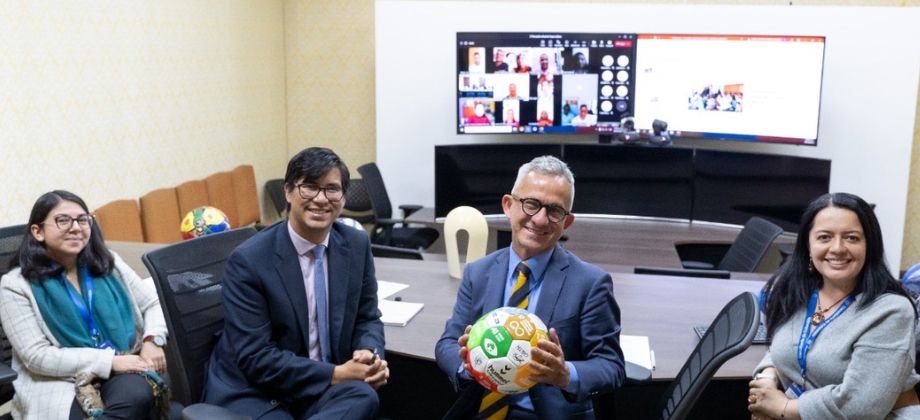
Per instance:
{"type": "Point", "coordinates": [526, 83]}
{"type": "Point", "coordinates": [730, 87]}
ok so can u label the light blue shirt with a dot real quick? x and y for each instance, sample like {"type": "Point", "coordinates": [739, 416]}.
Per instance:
{"type": "Point", "coordinates": [537, 266]}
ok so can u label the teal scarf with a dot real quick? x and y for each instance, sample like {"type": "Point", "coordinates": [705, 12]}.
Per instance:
{"type": "Point", "coordinates": [112, 311]}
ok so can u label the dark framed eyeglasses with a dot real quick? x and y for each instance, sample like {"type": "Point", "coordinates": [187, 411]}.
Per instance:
{"type": "Point", "coordinates": [532, 206]}
{"type": "Point", "coordinates": [309, 191]}
{"type": "Point", "coordinates": [65, 222]}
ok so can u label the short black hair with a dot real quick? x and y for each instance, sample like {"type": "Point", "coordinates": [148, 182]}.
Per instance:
{"type": "Point", "coordinates": [313, 163]}
{"type": "Point", "coordinates": [37, 264]}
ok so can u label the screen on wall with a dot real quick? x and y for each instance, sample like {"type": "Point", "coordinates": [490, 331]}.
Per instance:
{"type": "Point", "coordinates": [523, 83]}
{"type": "Point", "coordinates": [724, 87]}
{"type": "Point", "coordinates": [733, 87]}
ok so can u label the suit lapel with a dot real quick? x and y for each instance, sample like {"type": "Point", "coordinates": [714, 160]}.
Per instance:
{"type": "Point", "coordinates": [287, 264]}
{"type": "Point", "coordinates": [494, 292]}
{"type": "Point", "coordinates": [339, 277]}
{"type": "Point", "coordinates": [553, 282]}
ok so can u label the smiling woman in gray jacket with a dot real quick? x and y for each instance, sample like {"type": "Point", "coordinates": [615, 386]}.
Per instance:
{"type": "Point", "coordinates": [842, 326]}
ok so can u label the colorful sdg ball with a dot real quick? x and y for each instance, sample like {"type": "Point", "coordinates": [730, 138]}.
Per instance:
{"type": "Point", "coordinates": [203, 221]}
{"type": "Point", "coordinates": [499, 349]}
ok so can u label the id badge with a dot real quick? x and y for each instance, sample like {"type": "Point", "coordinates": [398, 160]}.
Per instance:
{"type": "Point", "coordinates": [794, 391]}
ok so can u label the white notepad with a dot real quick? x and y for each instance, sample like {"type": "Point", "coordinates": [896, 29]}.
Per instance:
{"type": "Point", "coordinates": [386, 289]}
{"type": "Point", "coordinates": [397, 313]}
{"type": "Point", "coordinates": [636, 350]}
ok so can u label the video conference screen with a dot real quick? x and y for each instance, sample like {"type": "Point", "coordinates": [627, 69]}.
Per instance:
{"type": "Point", "coordinates": [734, 87]}
{"type": "Point", "coordinates": [518, 83]}
{"type": "Point", "coordinates": [724, 87]}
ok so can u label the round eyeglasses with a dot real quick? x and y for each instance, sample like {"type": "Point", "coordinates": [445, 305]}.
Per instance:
{"type": "Point", "coordinates": [310, 191]}
{"type": "Point", "coordinates": [65, 222]}
{"type": "Point", "coordinates": [532, 206]}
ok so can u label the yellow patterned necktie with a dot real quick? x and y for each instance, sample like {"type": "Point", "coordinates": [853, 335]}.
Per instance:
{"type": "Point", "coordinates": [494, 405]}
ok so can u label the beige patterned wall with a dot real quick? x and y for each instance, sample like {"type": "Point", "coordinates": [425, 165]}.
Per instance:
{"type": "Point", "coordinates": [329, 46]}
{"type": "Point", "coordinates": [111, 98]}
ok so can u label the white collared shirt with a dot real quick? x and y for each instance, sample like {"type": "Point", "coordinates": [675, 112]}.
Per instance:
{"type": "Point", "coordinates": [305, 258]}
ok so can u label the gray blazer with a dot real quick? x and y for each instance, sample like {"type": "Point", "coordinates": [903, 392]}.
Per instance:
{"type": "Point", "coordinates": [45, 387]}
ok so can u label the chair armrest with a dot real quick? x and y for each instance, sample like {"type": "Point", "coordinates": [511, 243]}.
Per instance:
{"type": "Point", "coordinates": [697, 265]}
{"type": "Point", "coordinates": [389, 222]}
{"type": "Point", "coordinates": [7, 374]}
{"type": "Point", "coordinates": [203, 411]}
{"type": "Point", "coordinates": [408, 209]}
{"type": "Point", "coordinates": [636, 374]}
{"type": "Point", "coordinates": [684, 272]}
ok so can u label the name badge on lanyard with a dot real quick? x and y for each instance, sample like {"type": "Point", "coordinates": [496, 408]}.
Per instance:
{"type": "Point", "coordinates": [85, 311]}
{"type": "Point", "coordinates": [808, 336]}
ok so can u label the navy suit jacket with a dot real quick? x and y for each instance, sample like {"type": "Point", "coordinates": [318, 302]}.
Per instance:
{"type": "Point", "coordinates": [262, 357]}
{"type": "Point", "coordinates": [576, 299]}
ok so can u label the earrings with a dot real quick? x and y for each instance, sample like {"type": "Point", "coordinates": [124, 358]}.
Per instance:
{"type": "Point", "coordinates": [811, 265]}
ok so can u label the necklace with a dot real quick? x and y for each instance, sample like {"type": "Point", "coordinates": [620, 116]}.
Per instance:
{"type": "Point", "coordinates": [818, 316]}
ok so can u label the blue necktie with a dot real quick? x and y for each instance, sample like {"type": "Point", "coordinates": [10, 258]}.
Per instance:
{"type": "Point", "coordinates": [319, 287]}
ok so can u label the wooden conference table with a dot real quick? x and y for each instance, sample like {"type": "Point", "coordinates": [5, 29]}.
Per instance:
{"type": "Point", "coordinates": [661, 307]}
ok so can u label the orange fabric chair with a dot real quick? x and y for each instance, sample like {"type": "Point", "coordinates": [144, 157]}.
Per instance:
{"type": "Point", "coordinates": [120, 220]}
{"type": "Point", "coordinates": [160, 216]}
{"type": "Point", "coordinates": [247, 195]}
{"type": "Point", "coordinates": [191, 195]}
{"type": "Point", "coordinates": [221, 195]}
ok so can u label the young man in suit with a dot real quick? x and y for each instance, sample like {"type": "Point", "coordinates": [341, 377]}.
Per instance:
{"type": "Point", "coordinates": [582, 356]}
{"type": "Point", "coordinates": [296, 345]}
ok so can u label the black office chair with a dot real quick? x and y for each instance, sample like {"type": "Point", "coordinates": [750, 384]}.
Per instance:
{"type": "Point", "coordinates": [746, 251]}
{"type": "Point", "coordinates": [386, 231]}
{"type": "Point", "coordinates": [384, 251]}
{"type": "Point", "coordinates": [274, 188]}
{"type": "Point", "coordinates": [358, 202]}
{"type": "Point", "coordinates": [10, 241]}
{"type": "Point", "coordinates": [730, 333]}
{"type": "Point", "coordinates": [188, 277]}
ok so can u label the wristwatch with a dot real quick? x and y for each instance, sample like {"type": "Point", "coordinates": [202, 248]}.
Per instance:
{"type": "Point", "coordinates": [158, 340]}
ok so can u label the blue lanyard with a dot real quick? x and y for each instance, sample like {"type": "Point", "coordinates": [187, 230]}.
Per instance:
{"type": "Point", "coordinates": [85, 311]}
{"type": "Point", "coordinates": [806, 339]}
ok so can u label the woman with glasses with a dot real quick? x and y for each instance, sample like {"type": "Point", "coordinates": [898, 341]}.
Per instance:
{"type": "Point", "coordinates": [87, 333]}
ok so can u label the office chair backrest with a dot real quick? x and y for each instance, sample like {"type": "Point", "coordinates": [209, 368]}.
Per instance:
{"type": "Point", "coordinates": [274, 188]}
{"type": "Point", "coordinates": [358, 202]}
{"type": "Point", "coordinates": [10, 240]}
{"type": "Point", "coordinates": [222, 196]}
{"type": "Point", "coordinates": [120, 220]}
{"type": "Point", "coordinates": [750, 246]}
{"type": "Point", "coordinates": [376, 190]}
{"type": "Point", "coordinates": [474, 223]}
{"type": "Point", "coordinates": [247, 195]}
{"type": "Point", "coordinates": [730, 333]}
{"type": "Point", "coordinates": [188, 277]}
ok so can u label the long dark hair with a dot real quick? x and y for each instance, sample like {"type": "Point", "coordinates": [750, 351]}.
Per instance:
{"type": "Point", "coordinates": [791, 287]}
{"type": "Point", "coordinates": [37, 264]}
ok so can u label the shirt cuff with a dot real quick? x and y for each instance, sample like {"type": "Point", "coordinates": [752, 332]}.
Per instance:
{"type": "Point", "coordinates": [463, 374]}
{"type": "Point", "coordinates": [572, 387]}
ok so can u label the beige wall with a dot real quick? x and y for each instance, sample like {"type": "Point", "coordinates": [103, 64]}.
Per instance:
{"type": "Point", "coordinates": [329, 46]}
{"type": "Point", "coordinates": [111, 98]}
{"type": "Point", "coordinates": [101, 96]}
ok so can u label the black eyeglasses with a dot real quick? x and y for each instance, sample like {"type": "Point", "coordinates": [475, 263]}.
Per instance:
{"type": "Point", "coordinates": [532, 206]}
{"type": "Point", "coordinates": [65, 222]}
{"type": "Point", "coordinates": [310, 191]}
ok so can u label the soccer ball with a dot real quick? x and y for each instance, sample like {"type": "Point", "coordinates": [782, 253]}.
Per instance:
{"type": "Point", "coordinates": [203, 221]}
{"type": "Point", "coordinates": [499, 349]}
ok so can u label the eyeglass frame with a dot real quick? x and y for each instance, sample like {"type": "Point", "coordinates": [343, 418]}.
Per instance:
{"type": "Point", "coordinates": [88, 217]}
{"type": "Point", "coordinates": [324, 190]}
{"type": "Point", "coordinates": [548, 207]}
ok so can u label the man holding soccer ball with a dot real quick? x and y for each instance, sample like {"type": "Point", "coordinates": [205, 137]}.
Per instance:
{"type": "Point", "coordinates": [581, 356]}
